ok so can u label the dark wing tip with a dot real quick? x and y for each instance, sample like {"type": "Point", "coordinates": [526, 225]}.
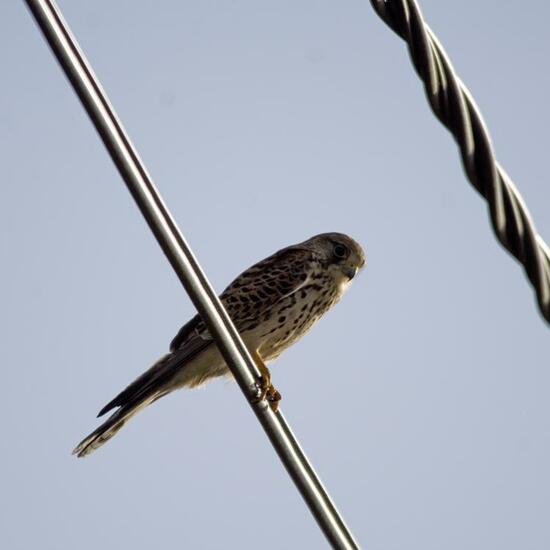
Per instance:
{"type": "Point", "coordinates": [111, 405]}
{"type": "Point", "coordinates": [184, 333]}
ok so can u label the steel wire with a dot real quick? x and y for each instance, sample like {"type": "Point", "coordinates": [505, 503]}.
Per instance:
{"type": "Point", "coordinates": [455, 108]}
{"type": "Point", "coordinates": [161, 223]}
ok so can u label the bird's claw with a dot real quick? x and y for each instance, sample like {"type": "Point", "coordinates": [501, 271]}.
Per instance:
{"type": "Point", "coordinates": [273, 398]}
{"type": "Point", "coordinates": [264, 384]}
{"type": "Point", "coordinates": [267, 391]}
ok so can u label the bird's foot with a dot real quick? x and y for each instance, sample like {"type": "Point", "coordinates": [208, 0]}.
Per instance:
{"type": "Point", "coordinates": [267, 391]}
{"type": "Point", "coordinates": [264, 384]}
{"type": "Point", "coordinates": [273, 398]}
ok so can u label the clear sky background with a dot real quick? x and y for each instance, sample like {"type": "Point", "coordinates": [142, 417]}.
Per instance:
{"type": "Point", "coordinates": [422, 398]}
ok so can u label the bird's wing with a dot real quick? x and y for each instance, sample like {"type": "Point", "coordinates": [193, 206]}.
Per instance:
{"type": "Point", "coordinates": [155, 377]}
{"type": "Point", "coordinates": [248, 299]}
{"type": "Point", "coordinates": [254, 292]}
{"type": "Point", "coordinates": [187, 332]}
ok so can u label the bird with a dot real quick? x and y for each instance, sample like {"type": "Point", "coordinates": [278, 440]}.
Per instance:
{"type": "Point", "coordinates": [272, 304]}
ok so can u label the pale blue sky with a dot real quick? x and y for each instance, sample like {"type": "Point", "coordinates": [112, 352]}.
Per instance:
{"type": "Point", "coordinates": [422, 399]}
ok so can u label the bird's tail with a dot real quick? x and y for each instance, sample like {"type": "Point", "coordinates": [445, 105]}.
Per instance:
{"type": "Point", "coordinates": [154, 383]}
{"type": "Point", "coordinates": [109, 428]}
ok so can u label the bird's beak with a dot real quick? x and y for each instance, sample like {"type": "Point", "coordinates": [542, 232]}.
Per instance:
{"type": "Point", "coordinates": [349, 272]}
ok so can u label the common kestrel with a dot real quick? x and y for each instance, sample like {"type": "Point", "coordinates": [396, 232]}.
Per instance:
{"type": "Point", "coordinates": [272, 304]}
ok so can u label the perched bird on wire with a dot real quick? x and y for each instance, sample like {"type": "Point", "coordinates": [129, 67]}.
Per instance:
{"type": "Point", "coordinates": [272, 304]}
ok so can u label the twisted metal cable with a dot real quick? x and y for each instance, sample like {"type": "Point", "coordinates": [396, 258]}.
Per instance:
{"type": "Point", "coordinates": [453, 105]}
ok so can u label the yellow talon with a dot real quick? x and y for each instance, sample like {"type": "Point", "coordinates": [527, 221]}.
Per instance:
{"type": "Point", "coordinates": [267, 390]}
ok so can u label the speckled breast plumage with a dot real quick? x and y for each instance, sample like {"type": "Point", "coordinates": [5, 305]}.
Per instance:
{"type": "Point", "coordinates": [274, 302]}
{"type": "Point", "coordinates": [294, 315]}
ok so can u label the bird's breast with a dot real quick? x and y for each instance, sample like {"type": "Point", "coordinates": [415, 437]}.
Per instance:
{"type": "Point", "coordinates": [293, 316]}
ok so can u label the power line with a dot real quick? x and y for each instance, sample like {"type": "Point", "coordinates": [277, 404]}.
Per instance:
{"type": "Point", "coordinates": [454, 106]}
{"type": "Point", "coordinates": [161, 223]}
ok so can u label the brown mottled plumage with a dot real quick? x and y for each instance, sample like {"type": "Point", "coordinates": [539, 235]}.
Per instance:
{"type": "Point", "coordinates": [273, 304]}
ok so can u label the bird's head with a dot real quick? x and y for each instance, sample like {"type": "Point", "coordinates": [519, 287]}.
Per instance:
{"type": "Point", "coordinates": [341, 256]}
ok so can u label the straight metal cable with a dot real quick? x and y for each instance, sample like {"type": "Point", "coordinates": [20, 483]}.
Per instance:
{"type": "Point", "coordinates": [140, 185]}
{"type": "Point", "coordinates": [455, 108]}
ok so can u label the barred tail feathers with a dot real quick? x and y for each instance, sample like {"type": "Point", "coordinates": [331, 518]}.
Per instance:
{"type": "Point", "coordinates": [109, 428]}
{"type": "Point", "coordinates": [174, 370]}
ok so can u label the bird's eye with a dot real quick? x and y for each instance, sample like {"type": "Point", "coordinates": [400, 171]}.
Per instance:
{"type": "Point", "coordinates": [340, 251]}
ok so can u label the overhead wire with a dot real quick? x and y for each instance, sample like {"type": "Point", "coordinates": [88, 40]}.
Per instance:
{"type": "Point", "coordinates": [453, 104]}
{"type": "Point", "coordinates": [139, 183]}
